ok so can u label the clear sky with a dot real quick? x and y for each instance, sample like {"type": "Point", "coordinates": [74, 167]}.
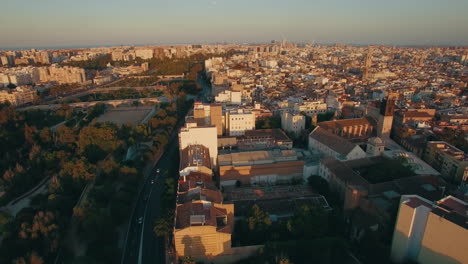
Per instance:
{"type": "Point", "coordinates": [53, 23]}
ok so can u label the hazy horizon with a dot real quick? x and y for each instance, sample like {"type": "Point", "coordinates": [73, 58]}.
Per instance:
{"type": "Point", "coordinates": [54, 23]}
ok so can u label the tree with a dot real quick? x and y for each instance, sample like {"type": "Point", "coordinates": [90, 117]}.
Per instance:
{"type": "Point", "coordinates": [258, 220]}
{"type": "Point", "coordinates": [103, 137]}
{"type": "Point", "coordinates": [78, 169]}
{"type": "Point", "coordinates": [31, 258]}
{"type": "Point", "coordinates": [163, 226]}
{"type": "Point", "coordinates": [45, 136]}
{"type": "Point", "coordinates": [319, 184]}
{"type": "Point", "coordinates": [65, 135]}
{"type": "Point", "coordinates": [188, 260]}
{"type": "Point", "coordinates": [308, 222]}
{"type": "Point", "coordinates": [6, 219]}
{"type": "Point", "coordinates": [269, 123]}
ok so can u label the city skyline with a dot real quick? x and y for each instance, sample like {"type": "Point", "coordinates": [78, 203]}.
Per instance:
{"type": "Point", "coordinates": [51, 23]}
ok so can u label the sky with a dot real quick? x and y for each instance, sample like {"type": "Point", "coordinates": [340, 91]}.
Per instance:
{"type": "Point", "coordinates": [67, 23]}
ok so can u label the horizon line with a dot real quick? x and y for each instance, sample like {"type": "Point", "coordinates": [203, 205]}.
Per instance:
{"type": "Point", "coordinates": [90, 46]}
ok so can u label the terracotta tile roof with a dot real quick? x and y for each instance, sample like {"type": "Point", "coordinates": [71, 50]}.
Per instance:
{"type": "Point", "coordinates": [416, 114]}
{"type": "Point", "coordinates": [195, 155]}
{"type": "Point", "coordinates": [206, 210]}
{"type": "Point", "coordinates": [331, 125]}
{"type": "Point", "coordinates": [199, 193]}
{"type": "Point", "coordinates": [336, 143]}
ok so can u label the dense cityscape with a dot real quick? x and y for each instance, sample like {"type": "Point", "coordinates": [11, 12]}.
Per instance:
{"type": "Point", "coordinates": [278, 153]}
{"type": "Point", "coordinates": [243, 132]}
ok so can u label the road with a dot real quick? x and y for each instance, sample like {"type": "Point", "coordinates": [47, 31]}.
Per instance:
{"type": "Point", "coordinates": [142, 246]}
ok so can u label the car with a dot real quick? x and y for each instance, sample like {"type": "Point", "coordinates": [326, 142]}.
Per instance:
{"type": "Point", "coordinates": [140, 220]}
{"type": "Point", "coordinates": [158, 171]}
{"type": "Point", "coordinates": [152, 182]}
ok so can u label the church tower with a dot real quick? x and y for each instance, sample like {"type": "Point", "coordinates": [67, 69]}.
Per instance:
{"type": "Point", "coordinates": [387, 108]}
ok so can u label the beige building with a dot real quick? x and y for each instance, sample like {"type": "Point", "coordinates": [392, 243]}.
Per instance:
{"type": "Point", "coordinates": [259, 167]}
{"type": "Point", "coordinates": [209, 115]}
{"type": "Point", "coordinates": [311, 108]}
{"type": "Point", "coordinates": [430, 233]}
{"type": "Point", "coordinates": [449, 160]}
{"type": "Point", "coordinates": [145, 54]}
{"type": "Point", "coordinates": [61, 75]}
{"type": "Point", "coordinates": [203, 229]}
{"type": "Point", "coordinates": [18, 96]}
{"type": "Point", "coordinates": [294, 123]}
{"type": "Point", "coordinates": [238, 121]}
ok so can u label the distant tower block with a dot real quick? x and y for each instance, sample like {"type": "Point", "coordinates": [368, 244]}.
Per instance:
{"type": "Point", "coordinates": [368, 64]}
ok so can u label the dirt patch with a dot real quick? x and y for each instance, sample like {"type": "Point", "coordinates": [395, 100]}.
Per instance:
{"type": "Point", "coordinates": [123, 115]}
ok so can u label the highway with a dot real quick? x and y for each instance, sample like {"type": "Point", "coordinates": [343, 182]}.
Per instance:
{"type": "Point", "coordinates": [142, 245]}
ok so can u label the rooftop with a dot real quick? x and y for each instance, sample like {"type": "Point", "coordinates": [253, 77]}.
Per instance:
{"type": "Point", "coordinates": [449, 150]}
{"type": "Point", "coordinates": [257, 157]}
{"type": "Point", "coordinates": [201, 213]}
{"type": "Point", "coordinates": [195, 156]}
{"type": "Point", "coordinates": [337, 143]}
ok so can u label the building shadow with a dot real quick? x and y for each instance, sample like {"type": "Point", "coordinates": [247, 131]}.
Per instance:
{"type": "Point", "coordinates": [193, 246]}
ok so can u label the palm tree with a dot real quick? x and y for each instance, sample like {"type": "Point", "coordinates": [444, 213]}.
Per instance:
{"type": "Point", "coordinates": [188, 260]}
{"type": "Point", "coordinates": [162, 227]}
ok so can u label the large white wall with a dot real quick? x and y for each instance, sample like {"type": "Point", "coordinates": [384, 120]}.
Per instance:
{"type": "Point", "coordinates": [206, 136]}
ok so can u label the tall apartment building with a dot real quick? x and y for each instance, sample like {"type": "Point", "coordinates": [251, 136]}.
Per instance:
{"type": "Point", "coordinates": [427, 232]}
{"type": "Point", "coordinates": [17, 96]}
{"type": "Point", "coordinates": [238, 121]}
{"type": "Point", "coordinates": [16, 78]}
{"type": "Point", "coordinates": [192, 134]}
{"type": "Point", "coordinates": [449, 160]}
{"type": "Point", "coordinates": [42, 57]}
{"type": "Point", "coordinates": [6, 60]}
{"type": "Point", "coordinates": [209, 115]}
{"type": "Point", "coordinates": [63, 75]}
{"type": "Point", "coordinates": [145, 54]}
{"type": "Point", "coordinates": [294, 123]}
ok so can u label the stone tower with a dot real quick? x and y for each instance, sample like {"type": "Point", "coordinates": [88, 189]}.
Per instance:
{"type": "Point", "coordinates": [384, 126]}
{"type": "Point", "coordinates": [375, 146]}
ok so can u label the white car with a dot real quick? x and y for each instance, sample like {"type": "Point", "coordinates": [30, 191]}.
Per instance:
{"type": "Point", "coordinates": [158, 171]}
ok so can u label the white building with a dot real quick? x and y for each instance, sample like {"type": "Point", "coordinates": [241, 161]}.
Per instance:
{"type": "Point", "coordinates": [311, 108]}
{"type": "Point", "coordinates": [207, 136]}
{"type": "Point", "coordinates": [238, 121]}
{"type": "Point", "coordinates": [430, 233]}
{"type": "Point", "coordinates": [294, 123]}
{"type": "Point", "coordinates": [229, 97]}
{"type": "Point", "coordinates": [145, 54]}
